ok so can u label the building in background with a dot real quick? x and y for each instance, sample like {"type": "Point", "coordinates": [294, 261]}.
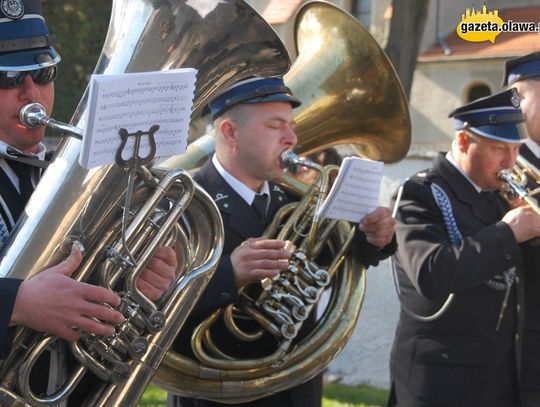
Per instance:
{"type": "Point", "coordinates": [451, 71]}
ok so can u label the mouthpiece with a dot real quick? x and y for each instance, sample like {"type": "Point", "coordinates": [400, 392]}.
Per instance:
{"type": "Point", "coordinates": [33, 115]}
{"type": "Point", "coordinates": [289, 160]}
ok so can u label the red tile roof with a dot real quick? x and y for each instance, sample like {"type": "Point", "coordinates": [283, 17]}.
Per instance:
{"type": "Point", "coordinates": [280, 11]}
{"type": "Point", "coordinates": [506, 44]}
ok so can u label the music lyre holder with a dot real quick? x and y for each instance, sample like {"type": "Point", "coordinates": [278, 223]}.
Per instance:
{"type": "Point", "coordinates": [136, 160]}
{"type": "Point", "coordinates": [131, 165]}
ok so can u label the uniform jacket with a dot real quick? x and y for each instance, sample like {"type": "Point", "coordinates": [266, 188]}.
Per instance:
{"type": "Point", "coordinates": [530, 372]}
{"type": "Point", "coordinates": [9, 213]}
{"type": "Point", "coordinates": [460, 359]}
{"type": "Point", "coordinates": [240, 223]}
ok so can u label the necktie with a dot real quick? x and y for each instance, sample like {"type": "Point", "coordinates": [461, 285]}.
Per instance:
{"type": "Point", "coordinates": [259, 204]}
{"type": "Point", "coordinates": [24, 172]}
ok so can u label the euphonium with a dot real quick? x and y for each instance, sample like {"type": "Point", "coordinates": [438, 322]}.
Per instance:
{"type": "Point", "coordinates": [350, 95]}
{"type": "Point", "coordinates": [522, 182]}
{"type": "Point", "coordinates": [71, 203]}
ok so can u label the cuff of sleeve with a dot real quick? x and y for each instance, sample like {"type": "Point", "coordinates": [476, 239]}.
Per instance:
{"type": "Point", "coordinates": [390, 248]}
{"type": "Point", "coordinates": [510, 252]}
{"type": "Point", "coordinates": [368, 254]}
{"type": "Point", "coordinates": [8, 292]}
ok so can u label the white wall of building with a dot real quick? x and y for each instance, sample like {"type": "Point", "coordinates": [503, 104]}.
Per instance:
{"type": "Point", "coordinates": [440, 87]}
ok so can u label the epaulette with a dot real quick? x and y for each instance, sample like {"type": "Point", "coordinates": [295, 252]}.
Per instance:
{"type": "Point", "coordinates": [426, 176]}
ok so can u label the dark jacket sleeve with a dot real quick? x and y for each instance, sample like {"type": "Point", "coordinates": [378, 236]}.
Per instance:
{"type": "Point", "coordinates": [220, 291]}
{"type": "Point", "coordinates": [368, 254]}
{"type": "Point", "coordinates": [8, 292]}
{"type": "Point", "coordinates": [433, 264]}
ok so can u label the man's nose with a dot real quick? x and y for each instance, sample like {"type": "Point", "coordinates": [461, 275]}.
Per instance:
{"type": "Point", "coordinates": [29, 90]}
{"type": "Point", "coordinates": [510, 159]}
{"type": "Point", "coordinates": [291, 137]}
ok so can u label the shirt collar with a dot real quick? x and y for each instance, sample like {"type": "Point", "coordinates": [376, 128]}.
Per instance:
{"type": "Point", "coordinates": [239, 187]}
{"type": "Point", "coordinates": [6, 149]}
{"type": "Point", "coordinates": [450, 158]}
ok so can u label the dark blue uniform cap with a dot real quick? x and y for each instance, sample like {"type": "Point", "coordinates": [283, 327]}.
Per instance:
{"type": "Point", "coordinates": [24, 37]}
{"type": "Point", "coordinates": [497, 117]}
{"type": "Point", "coordinates": [252, 90]}
{"type": "Point", "coordinates": [525, 67]}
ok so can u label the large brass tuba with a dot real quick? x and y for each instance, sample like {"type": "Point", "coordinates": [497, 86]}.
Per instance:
{"type": "Point", "coordinates": [351, 95]}
{"type": "Point", "coordinates": [225, 41]}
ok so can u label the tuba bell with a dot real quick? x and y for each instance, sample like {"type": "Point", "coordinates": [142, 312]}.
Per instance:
{"type": "Point", "coordinates": [74, 204]}
{"type": "Point", "coordinates": [350, 95]}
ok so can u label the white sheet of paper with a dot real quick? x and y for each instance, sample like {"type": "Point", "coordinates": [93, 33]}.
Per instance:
{"type": "Point", "coordinates": [355, 192]}
{"type": "Point", "coordinates": [136, 102]}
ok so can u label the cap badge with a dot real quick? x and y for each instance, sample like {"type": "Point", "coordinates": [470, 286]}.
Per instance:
{"type": "Point", "coordinates": [515, 99]}
{"type": "Point", "coordinates": [13, 9]}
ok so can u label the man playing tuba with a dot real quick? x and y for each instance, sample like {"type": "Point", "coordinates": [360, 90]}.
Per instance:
{"type": "Point", "coordinates": [254, 125]}
{"type": "Point", "coordinates": [51, 301]}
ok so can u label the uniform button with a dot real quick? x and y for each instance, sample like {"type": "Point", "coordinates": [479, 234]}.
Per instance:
{"type": "Point", "coordinates": [517, 337]}
{"type": "Point", "coordinates": [517, 279]}
{"type": "Point", "coordinates": [225, 296]}
{"type": "Point", "coordinates": [445, 355]}
{"type": "Point", "coordinates": [507, 257]}
{"type": "Point", "coordinates": [518, 308]}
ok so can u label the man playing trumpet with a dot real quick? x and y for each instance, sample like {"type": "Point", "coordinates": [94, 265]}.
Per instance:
{"type": "Point", "coordinates": [457, 236]}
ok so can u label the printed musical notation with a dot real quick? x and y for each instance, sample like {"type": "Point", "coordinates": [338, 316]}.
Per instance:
{"type": "Point", "coordinates": [355, 192]}
{"type": "Point", "coordinates": [136, 102]}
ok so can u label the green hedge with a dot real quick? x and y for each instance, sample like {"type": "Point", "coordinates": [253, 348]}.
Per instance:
{"type": "Point", "coordinates": [78, 29]}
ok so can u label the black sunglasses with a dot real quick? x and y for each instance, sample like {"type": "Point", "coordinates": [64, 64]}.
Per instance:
{"type": "Point", "coordinates": [14, 79]}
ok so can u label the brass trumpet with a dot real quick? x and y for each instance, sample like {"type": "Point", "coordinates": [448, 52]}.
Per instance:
{"type": "Point", "coordinates": [523, 182]}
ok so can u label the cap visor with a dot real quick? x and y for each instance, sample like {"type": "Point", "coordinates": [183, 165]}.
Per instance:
{"type": "Point", "coordinates": [507, 133]}
{"type": "Point", "coordinates": [279, 97]}
{"type": "Point", "coordinates": [29, 60]}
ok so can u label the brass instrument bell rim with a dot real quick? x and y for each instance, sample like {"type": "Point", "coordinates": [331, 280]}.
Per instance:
{"type": "Point", "coordinates": [361, 52]}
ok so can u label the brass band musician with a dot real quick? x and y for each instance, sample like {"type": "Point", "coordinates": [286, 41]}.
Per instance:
{"type": "Point", "coordinates": [51, 301]}
{"type": "Point", "coordinates": [456, 236]}
{"type": "Point", "coordinates": [254, 125]}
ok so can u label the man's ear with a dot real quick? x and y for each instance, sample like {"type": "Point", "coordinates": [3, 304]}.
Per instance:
{"type": "Point", "coordinates": [463, 140]}
{"type": "Point", "coordinates": [227, 129]}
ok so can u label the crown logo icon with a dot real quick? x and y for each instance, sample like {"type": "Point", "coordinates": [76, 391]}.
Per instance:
{"type": "Point", "coordinates": [479, 26]}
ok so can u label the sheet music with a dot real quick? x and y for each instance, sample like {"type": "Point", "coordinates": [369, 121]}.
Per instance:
{"type": "Point", "coordinates": [136, 102]}
{"type": "Point", "coordinates": [356, 190]}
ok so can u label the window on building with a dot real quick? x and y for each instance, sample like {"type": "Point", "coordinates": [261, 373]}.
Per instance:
{"type": "Point", "coordinates": [477, 91]}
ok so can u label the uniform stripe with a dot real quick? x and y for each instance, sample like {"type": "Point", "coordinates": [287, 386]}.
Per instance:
{"type": "Point", "coordinates": [10, 196]}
